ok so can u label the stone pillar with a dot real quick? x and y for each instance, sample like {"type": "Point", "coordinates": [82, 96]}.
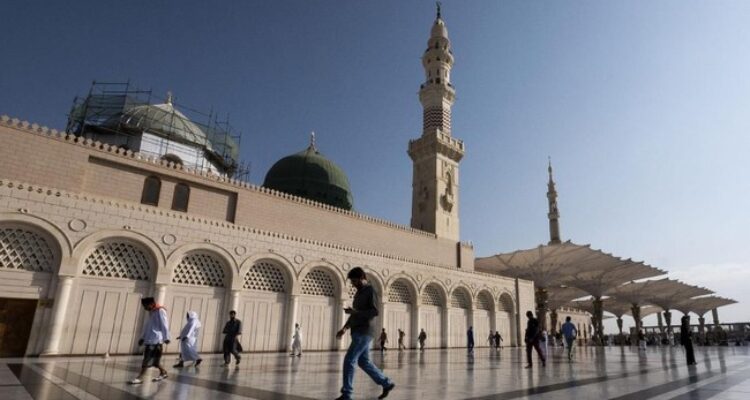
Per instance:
{"type": "Point", "coordinates": [234, 304]}
{"type": "Point", "coordinates": [702, 330]}
{"type": "Point", "coordinates": [341, 320]}
{"type": "Point", "coordinates": [541, 307]}
{"type": "Point", "coordinates": [411, 342]}
{"type": "Point", "coordinates": [715, 314]}
{"type": "Point", "coordinates": [661, 325]}
{"type": "Point", "coordinates": [553, 322]}
{"type": "Point", "coordinates": [619, 324]}
{"type": "Point", "coordinates": [292, 304]}
{"type": "Point", "coordinates": [59, 311]}
{"type": "Point", "coordinates": [160, 293]}
{"type": "Point", "coordinates": [636, 312]}
{"type": "Point", "coordinates": [447, 327]}
{"type": "Point", "coordinates": [598, 325]}
{"type": "Point", "coordinates": [668, 320]}
{"type": "Point", "coordinates": [517, 315]}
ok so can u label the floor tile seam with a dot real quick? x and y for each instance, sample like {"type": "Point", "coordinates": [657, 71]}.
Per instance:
{"type": "Point", "coordinates": [58, 381]}
{"type": "Point", "coordinates": [692, 393]}
{"type": "Point", "coordinates": [67, 375]}
{"type": "Point", "coordinates": [20, 370]}
{"type": "Point", "coordinates": [694, 386]}
{"type": "Point", "coordinates": [218, 385]}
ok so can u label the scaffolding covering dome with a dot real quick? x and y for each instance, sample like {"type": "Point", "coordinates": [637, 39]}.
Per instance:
{"type": "Point", "coordinates": [163, 120]}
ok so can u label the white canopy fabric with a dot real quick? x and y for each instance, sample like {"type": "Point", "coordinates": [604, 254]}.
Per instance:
{"type": "Point", "coordinates": [639, 292]}
{"type": "Point", "coordinates": [702, 305]}
{"type": "Point", "coordinates": [672, 292]}
{"type": "Point", "coordinates": [560, 296]}
{"type": "Point", "coordinates": [609, 305]}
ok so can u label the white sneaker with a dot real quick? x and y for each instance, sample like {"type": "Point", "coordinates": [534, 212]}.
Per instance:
{"type": "Point", "coordinates": [159, 378]}
{"type": "Point", "coordinates": [135, 381]}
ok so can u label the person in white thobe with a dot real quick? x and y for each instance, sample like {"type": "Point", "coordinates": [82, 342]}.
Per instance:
{"type": "Point", "coordinates": [189, 340]}
{"type": "Point", "coordinates": [297, 341]}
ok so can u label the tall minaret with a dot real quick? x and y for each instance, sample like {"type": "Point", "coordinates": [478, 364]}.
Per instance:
{"type": "Point", "coordinates": [436, 154]}
{"type": "Point", "coordinates": [554, 213]}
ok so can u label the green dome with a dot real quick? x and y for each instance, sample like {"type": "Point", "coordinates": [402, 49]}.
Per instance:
{"type": "Point", "coordinates": [310, 175]}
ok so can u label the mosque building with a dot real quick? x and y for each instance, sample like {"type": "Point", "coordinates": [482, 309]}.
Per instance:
{"type": "Point", "coordinates": [135, 199]}
{"type": "Point", "coordinates": [145, 201]}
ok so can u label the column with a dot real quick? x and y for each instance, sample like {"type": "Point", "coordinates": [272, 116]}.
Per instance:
{"type": "Point", "coordinates": [635, 310]}
{"type": "Point", "coordinates": [160, 294]}
{"type": "Point", "coordinates": [553, 322]}
{"type": "Point", "coordinates": [715, 315]}
{"type": "Point", "coordinates": [619, 324]}
{"type": "Point", "coordinates": [343, 316]}
{"type": "Point", "coordinates": [416, 322]}
{"type": "Point", "coordinates": [702, 330]}
{"type": "Point", "coordinates": [541, 307]}
{"type": "Point", "coordinates": [598, 325]}
{"type": "Point", "coordinates": [445, 339]}
{"type": "Point", "coordinates": [62, 298]}
{"type": "Point", "coordinates": [292, 305]}
{"type": "Point", "coordinates": [384, 307]}
{"type": "Point", "coordinates": [668, 319]}
{"type": "Point", "coordinates": [661, 325]}
{"type": "Point", "coordinates": [516, 315]}
{"type": "Point", "coordinates": [234, 302]}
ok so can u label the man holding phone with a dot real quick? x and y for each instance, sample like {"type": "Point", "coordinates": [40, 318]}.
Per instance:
{"type": "Point", "coordinates": [361, 313]}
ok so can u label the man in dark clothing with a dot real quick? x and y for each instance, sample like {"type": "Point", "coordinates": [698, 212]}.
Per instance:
{"type": "Point", "coordinates": [470, 339]}
{"type": "Point", "coordinates": [232, 331]}
{"type": "Point", "coordinates": [532, 337]}
{"type": "Point", "coordinates": [687, 340]}
{"type": "Point", "coordinates": [361, 313]}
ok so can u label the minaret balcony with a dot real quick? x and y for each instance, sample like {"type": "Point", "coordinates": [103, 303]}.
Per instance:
{"type": "Point", "coordinates": [436, 142]}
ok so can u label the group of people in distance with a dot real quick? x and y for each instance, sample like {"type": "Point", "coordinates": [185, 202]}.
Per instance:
{"type": "Point", "coordinates": [360, 324]}
{"type": "Point", "coordinates": [156, 335]}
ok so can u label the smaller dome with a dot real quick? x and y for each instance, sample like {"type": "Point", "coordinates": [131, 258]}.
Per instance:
{"type": "Point", "coordinates": [163, 120]}
{"type": "Point", "coordinates": [310, 175]}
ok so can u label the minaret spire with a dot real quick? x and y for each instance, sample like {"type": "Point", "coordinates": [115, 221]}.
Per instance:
{"type": "Point", "coordinates": [554, 214]}
{"type": "Point", "coordinates": [436, 154]}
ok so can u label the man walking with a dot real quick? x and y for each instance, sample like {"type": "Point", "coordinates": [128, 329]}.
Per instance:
{"type": "Point", "coordinates": [232, 331]}
{"type": "Point", "coordinates": [363, 310]}
{"type": "Point", "coordinates": [401, 335]}
{"type": "Point", "coordinates": [498, 340]}
{"type": "Point", "coordinates": [155, 333]}
{"type": "Point", "coordinates": [383, 340]}
{"type": "Point", "coordinates": [532, 337]}
{"type": "Point", "coordinates": [422, 337]}
{"type": "Point", "coordinates": [569, 333]}
{"type": "Point", "coordinates": [686, 339]}
{"type": "Point", "coordinates": [297, 341]}
{"type": "Point", "coordinates": [470, 340]}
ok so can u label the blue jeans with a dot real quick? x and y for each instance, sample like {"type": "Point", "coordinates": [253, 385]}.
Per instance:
{"type": "Point", "coordinates": [359, 354]}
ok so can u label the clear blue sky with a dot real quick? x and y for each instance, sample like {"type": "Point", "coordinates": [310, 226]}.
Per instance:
{"type": "Point", "coordinates": [644, 106]}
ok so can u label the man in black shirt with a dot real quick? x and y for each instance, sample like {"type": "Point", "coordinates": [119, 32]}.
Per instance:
{"type": "Point", "coordinates": [232, 331]}
{"type": "Point", "coordinates": [532, 337]}
{"type": "Point", "coordinates": [363, 310]}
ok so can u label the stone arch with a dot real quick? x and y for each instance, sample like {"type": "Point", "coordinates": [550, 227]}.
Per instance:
{"type": "Point", "coordinates": [199, 252]}
{"type": "Point", "coordinates": [506, 303]}
{"type": "Point", "coordinates": [460, 297]}
{"type": "Point", "coordinates": [435, 287]}
{"type": "Point", "coordinates": [320, 284]}
{"type": "Point", "coordinates": [87, 245]}
{"type": "Point", "coordinates": [266, 260]}
{"type": "Point", "coordinates": [60, 244]}
{"type": "Point", "coordinates": [407, 280]}
{"type": "Point", "coordinates": [485, 300]}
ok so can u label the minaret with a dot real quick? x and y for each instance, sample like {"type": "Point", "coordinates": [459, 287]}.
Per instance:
{"type": "Point", "coordinates": [436, 154]}
{"type": "Point", "coordinates": [554, 214]}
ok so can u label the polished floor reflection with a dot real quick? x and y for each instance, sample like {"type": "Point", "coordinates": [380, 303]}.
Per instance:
{"type": "Point", "coordinates": [596, 373]}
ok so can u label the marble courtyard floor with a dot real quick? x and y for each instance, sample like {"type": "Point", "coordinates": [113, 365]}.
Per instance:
{"type": "Point", "coordinates": [596, 373]}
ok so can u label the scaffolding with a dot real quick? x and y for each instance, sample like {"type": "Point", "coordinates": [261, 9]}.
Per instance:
{"type": "Point", "coordinates": [121, 114]}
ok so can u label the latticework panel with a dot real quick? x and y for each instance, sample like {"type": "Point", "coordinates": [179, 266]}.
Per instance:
{"type": "Point", "coordinates": [118, 260]}
{"type": "Point", "coordinates": [25, 250]}
{"type": "Point", "coordinates": [352, 291]}
{"type": "Point", "coordinates": [460, 299]}
{"type": "Point", "coordinates": [484, 301]}
{"type": "Point", "coordinates": [399, 293]}
{"type": "Point", "coordinates": [266, 277]}
{"type": "Point", "coordinates": [506, 303]}
{"type": "Point", "coordinates": [199, 269]}
{"type": "Point", "coordinates": [318, 283]}
{"type": "Point", "coordinates": [431, 296]}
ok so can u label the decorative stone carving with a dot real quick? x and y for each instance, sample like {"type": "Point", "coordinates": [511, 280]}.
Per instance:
{"type": "Point", "coordinates": [318, 282]}
{"type": "Point", "coordinates": [76, 225]}
{"type": "Point", "coordinates": [431, 295]}
{"type": "Point", "coordinates": [240, 250]}
{"type": "Point", "coordinates": [299, 259]}
{"type": "Point", "coordinates": [25, 250]}
{"type": "Point", "coordinates": [169, 239]}
{"type": "Point", "coordinates": [399, 293]}
{"type": "Point", "coordinates": [266, 277]}
{"type": "Point", "coordinates": [117, 260]}
{"type": "Point", "coordinates": [199, 269]}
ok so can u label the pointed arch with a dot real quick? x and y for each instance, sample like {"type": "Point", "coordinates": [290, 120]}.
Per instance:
{"type": "Point", "coordinates": [88, 244]}
{"type": "Point", "coordinates": [228, 263]}
{"type": "Point", "coordinates": [276, 261]}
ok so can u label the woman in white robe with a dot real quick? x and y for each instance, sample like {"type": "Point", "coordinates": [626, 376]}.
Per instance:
{"type": "Point", "coordinates": [189, 340]}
